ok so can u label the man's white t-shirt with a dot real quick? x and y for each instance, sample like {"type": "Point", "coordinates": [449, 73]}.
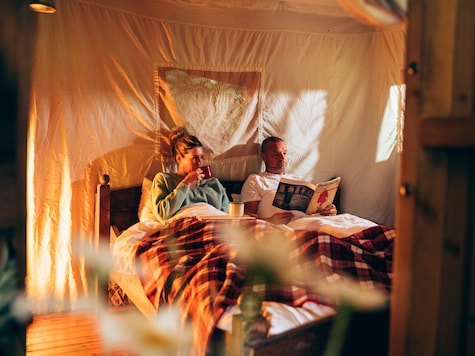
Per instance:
{"type": "Point", "coordinates": [262, 187]}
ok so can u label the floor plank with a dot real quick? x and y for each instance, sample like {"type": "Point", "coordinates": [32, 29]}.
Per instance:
{"type": "Point", "coordinates": [75, 333]}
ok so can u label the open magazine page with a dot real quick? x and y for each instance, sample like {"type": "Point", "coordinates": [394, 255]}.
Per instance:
{"type": "Point", "coordinates": [323, 195]}
{"type": "Point", "coordinates": [293, 194]}
{"type": "Point", "coordinates": [304, 196]}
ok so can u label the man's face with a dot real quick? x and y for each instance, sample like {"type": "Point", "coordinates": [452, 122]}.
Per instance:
{"type": "Point", "coordinates": [275, 157]}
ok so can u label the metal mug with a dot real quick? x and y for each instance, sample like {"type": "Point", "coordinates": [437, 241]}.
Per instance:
{"type": "Point", "coordinates": [236, 209]}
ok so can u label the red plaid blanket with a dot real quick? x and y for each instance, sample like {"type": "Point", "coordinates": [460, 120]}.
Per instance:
{"type": "Point", "coordinates": [193, 264]}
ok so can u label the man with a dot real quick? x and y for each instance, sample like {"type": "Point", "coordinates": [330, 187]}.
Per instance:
{"type": "Point", "coordinates": [259, 190]}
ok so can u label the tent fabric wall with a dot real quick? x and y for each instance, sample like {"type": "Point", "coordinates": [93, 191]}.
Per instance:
{"type": "Point", "coordinates": [330, 86]}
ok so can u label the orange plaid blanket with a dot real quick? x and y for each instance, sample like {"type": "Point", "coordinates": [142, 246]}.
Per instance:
{"type": "Point", "coordinates": [195, 264]}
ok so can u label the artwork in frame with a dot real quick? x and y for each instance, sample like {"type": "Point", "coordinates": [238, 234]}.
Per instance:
{"type": "Point", "coordinates": [220, 107]}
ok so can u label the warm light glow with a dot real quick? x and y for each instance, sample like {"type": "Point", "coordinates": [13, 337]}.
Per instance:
{"type": "Point", "coordinates": [30, 245]}
{"type": "Point", "coordinates": [49, 249]}
{"type": "Point", "coordinates": [44, 7]}
{"type": "Point", "coordinates": [389, 133]}
{"type": "Point", "coordinates": [310, 109]}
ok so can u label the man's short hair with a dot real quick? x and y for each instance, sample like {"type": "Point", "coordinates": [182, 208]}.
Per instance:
{"type": "Point", "coordinates": [268, 140]}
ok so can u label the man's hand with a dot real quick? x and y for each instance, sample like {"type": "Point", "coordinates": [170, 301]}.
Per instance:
{"type": "Point", "coordinates": [329, 210]}
{"type": "Point", "coordinates": [281, 218]}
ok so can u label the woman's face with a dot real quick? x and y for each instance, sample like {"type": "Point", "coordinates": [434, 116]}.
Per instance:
{"type": "Point", "coordinates": [190, 161]}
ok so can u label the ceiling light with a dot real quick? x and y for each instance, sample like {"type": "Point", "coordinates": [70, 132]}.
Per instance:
{"type": "Point", "coordinates": [43, 6]}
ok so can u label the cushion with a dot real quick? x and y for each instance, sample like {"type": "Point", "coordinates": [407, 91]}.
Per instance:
{"type": "Point", "coordinates": [145, 206]}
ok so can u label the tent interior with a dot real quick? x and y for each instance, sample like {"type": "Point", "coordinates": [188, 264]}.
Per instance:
{"type": "Point", "coordinates": [110, 78]}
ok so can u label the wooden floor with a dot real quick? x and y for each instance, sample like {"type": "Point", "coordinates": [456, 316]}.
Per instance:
{"type": "Point", "coordinates": [67, 334]}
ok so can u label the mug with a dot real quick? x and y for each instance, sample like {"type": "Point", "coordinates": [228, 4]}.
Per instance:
{"type": "Point", "coordinates": [206, 171]}
{"type": "Point", "coordinates": [236, 209]}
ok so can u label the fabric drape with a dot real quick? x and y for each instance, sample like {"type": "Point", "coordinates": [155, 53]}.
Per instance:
{"type": "Point", "coordinates": [330, 86]}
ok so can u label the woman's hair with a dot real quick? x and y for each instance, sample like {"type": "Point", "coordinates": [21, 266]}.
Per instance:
{"type": "Point", "coordinates": [181, 142]}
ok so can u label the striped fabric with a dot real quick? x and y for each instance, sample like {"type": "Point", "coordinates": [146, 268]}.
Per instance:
{"type": "Point", "coordinates": [196, 265]}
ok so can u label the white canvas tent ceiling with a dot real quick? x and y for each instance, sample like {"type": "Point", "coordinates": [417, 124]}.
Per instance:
{"type": "Point", "coordinates": [300, 15]}
{"type": "Point", "coordinates": [318, 7]}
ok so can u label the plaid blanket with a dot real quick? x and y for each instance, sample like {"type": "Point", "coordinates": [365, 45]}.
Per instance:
{"type": "Point", "coordinates": [199, 266]}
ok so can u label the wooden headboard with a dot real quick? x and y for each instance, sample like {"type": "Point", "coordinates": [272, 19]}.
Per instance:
{"type": "Point", "coordinates": [122, 205]}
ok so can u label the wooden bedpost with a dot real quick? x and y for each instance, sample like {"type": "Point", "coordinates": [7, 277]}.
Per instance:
{"type": "Point", "coordinates": [103, 210]}
{"type": "Point", "coordinates": [248, 326]}
{"type": "Point", "coordinates": [102, 232]}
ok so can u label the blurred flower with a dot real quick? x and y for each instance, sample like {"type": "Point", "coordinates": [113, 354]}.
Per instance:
{"type": "Point", "coordinates": [164, 335]}
{"type": "Point", "coordinates": [98, 261]}
{"type": "Point", "coordinates": [8, 294]}
{"type": "Point", "coordinates": [21, 310]}
{"type": "Point", "coordinates": [347, 291]}
{"type": "Point", "coordinates": [275, 258]}
{"type": "Point", "coordinates": [266, 257]}
{"type": "Point", "coordinates": [10, 298]}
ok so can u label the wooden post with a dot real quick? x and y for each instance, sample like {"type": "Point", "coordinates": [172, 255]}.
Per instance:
{"type": "Point", "coordinates": [102, 233]}
{"type": "Point", "coordinates": [247, 326]}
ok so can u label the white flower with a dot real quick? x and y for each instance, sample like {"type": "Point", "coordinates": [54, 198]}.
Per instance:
{"type": "Point", "coordinates": [20, 310]}
{"type": "Point", "coordinates": [277, 257]}
{"type": "Point", "coordinates": [163, 335]}
{"type": "Point", "coordinates": [346, 290]}
{"type": "Point", "coordinates": [98, 259]}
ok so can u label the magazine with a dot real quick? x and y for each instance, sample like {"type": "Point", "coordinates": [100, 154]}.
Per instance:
{"type": "Point", "coordinates": [304, 196]}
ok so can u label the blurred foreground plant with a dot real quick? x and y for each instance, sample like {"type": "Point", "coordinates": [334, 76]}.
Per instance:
{"type": "Point", "coordinates": [14, 311]}
{"type": "Point", "coordinates": [162, 334]}
{"type": "Point", "coordinates": [274, 258]}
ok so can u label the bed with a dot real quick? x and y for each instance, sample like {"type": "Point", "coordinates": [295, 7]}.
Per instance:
{"type": "Point", "coordinates": [204, 276]}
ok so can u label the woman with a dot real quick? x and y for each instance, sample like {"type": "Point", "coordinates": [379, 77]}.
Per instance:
{"type": "Point", "coordinates": [170, 192]}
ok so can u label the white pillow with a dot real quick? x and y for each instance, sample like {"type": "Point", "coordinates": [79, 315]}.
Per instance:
{"type": "Point", "coordinates": [282, 317]}
{"type": "Point", "coordinates": [145, 206]}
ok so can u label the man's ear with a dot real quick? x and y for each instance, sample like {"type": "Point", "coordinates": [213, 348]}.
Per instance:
{"type": "Point", "coordinates": [263, 157]}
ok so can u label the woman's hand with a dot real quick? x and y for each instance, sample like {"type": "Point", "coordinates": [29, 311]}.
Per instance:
{"type": "Point", "coordinates": [194, 177]}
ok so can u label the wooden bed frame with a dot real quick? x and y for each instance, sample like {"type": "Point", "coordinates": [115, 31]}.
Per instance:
{"type": "Point", "coordinates": [116, 210]}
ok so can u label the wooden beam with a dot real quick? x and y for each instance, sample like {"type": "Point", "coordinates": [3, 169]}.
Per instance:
{"type": "Point", "coordinates": [447, 132]}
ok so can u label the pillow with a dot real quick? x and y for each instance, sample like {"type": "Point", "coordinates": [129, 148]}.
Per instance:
{"type": "Point", "coordinates": [282, 317]}
{"type": "Point", "coordinates": [145, 206]}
